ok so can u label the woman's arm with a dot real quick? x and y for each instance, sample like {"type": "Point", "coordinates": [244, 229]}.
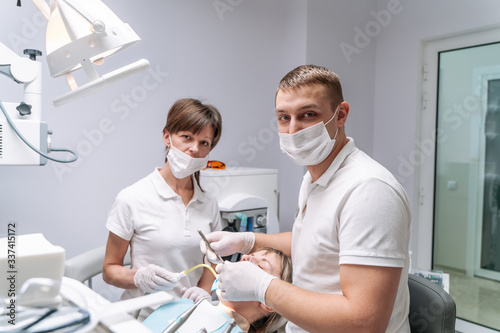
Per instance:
{"type": "Point", "coordinates": [207, 279]}
{"type": "Point", "coordinates": [113, 272]}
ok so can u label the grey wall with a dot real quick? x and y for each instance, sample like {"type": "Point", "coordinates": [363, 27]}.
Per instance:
{"type": "Point", "coordinates": [331, 30]}
{"type": "Point", "coordinates": [398, 69]}
{"type": "Point", "coordinates": [235, 61]}
{"type": "Point", "coordinates": [375, 47]}
{"type": "Point", "coordinates": [398, 80]}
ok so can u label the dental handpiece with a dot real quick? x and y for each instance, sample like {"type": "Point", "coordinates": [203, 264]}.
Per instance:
{"type": "Point", "coordinates": [181, 319]}
{"type": "Point", "coordinates": [230, 327]}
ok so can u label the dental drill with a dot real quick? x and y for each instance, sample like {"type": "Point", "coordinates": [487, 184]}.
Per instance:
{"type": "Point", "coordinates": [179, 321]}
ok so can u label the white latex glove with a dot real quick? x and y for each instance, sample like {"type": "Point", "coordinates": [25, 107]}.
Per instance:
{"type": "Point", "coordinates": [155, 278]}
{"type": "Point", "coordinates": [195, 294]}
{"type": "Point", "coordinates": [243, 281]}
{"type": "Point", "coordinates": [226, 243]}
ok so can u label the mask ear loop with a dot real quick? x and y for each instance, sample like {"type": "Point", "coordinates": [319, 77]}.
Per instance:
{"type": "Point", "coordinates": [336, 111]}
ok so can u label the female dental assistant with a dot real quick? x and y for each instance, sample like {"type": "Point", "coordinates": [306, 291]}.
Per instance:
{"type": "Point", "coordinates": [158, 216]}
{"type": "Point", "coordinates": [350, 238]}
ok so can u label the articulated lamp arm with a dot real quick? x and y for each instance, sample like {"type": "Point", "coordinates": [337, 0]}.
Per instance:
{"type": "Point", "coordinates": [24, 138]}
{"type": "Point", "coordinates": [80, 34]}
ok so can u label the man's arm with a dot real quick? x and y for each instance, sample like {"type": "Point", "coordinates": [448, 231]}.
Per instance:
{"type": "Point", "coordinates": [369, 293]}
{"type": "Point", "coordinates": [281, 241]}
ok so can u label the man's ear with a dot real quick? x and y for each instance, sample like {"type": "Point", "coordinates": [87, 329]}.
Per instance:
{"type": "Point", "coordinates": [343, 112]}
{"type": "Point", "coordinates": [266, 308]}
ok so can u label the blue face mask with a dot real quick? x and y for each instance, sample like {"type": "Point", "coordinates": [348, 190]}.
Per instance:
{"type": "Point", "coordinates": [215, 285]}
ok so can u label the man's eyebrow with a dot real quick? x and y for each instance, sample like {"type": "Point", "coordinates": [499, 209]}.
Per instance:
{"type": "Point", "coordinates": [303, 107]}
{"type": "Point", "coordinates": [309, 106]}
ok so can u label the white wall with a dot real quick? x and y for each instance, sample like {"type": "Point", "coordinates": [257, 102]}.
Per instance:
{"type": "Point", "coordinates": [375, 47]}
{"type": "Point", "coordinates": [331, 32]}
{"type": "Point", "coordinates": [233, 59]}
{"type": "Point", "coordinates": [398, 77]}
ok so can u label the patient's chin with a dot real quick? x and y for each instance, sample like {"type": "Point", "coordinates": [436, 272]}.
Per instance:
{"type": "Point", "coordinates": [223, 300]}
{"type": "Point", "coordinates": [234, 304]}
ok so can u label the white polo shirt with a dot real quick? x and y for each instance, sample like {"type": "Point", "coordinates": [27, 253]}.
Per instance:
{"type": "Point", "coordinates": [355, 213]}
{"type": "Point", "coordinates": [161, 230]}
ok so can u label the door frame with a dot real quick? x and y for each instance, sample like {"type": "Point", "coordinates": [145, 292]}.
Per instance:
{"type": "Point", "coordinates": [426, 133]}
{"type": "Point", "coordinates": [482, 76]}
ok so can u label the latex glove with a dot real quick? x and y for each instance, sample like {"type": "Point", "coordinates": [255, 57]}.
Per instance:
{"type": "Point", "coordinates": [226, 243]}
{"type": "Point", "coordinates": [195, 294]}
{"type": "Point", "coordinates": [155, 278]}
{"type": "Point", "coordinates": [243, 281]}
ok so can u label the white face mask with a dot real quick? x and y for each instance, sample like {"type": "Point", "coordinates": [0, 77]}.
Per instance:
{"type": "Point", "coordinates": [309, 146]}
{"type": "Point", "coordinates": [182, 165]}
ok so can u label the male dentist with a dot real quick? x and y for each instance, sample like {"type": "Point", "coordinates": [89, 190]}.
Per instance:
{"type": "Point", "coordinates": [349, 243]}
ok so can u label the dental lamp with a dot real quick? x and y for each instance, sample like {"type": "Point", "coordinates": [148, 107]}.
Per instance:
{"type": "Point", "coordinates": [80, 34]}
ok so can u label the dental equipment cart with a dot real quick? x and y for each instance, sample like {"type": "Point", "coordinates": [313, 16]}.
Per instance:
{"type": "Point", "coordinates": [248, 197]}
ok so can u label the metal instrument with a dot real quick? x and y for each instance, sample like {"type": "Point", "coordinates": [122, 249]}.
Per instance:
{"type": "Point", "coordinates": [181, 319]}
{"type": "Point", "coordinates": [230, 327]}
{"type": "Point", "coordinates": [210, 247]}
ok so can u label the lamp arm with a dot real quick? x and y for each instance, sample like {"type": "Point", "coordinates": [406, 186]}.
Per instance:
{"type": "Point", "coordinates": [98, 26]}
{"type": "Point", "coordinates": [27, 71]}
{"type": "Point", "coordinates": [7, 56]}
{"type": "Point", "coordinates": [19, 69]}
{"type": "Point", "coordinates": [43, 7]}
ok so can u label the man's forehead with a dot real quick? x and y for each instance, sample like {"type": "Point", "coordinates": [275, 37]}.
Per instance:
{"type": "Point", "coordinates": [314, 88]}
{"type": "Point", "coordinates": [311, 92]}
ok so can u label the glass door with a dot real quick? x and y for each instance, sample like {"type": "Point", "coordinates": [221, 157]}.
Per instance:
{"type": "Point", "coordinates": [488, 259]}
{"type": "Point", "coordinates": [466, 217]}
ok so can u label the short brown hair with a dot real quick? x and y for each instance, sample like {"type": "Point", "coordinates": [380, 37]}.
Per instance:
{"type": "Point", "coordinates": [189, 114]}
{"type": "Point", "coordinates": [307, 75]}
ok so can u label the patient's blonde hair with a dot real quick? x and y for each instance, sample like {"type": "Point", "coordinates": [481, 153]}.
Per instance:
{"type": "Point", "coordinates": [261, 325]}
